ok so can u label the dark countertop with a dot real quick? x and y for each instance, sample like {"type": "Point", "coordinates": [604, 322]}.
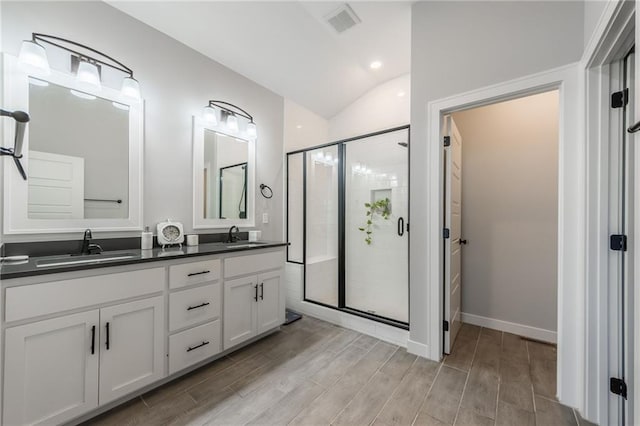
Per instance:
{"type": "Point", "coordinates": [10, 270]}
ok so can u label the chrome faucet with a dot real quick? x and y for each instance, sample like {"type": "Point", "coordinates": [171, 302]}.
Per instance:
{"type": "Point", "coordinates": [87, 247]}
{"type": "Point", "coordinates": [233, 238]}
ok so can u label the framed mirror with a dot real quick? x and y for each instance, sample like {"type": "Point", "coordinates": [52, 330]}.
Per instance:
{"type": "Point", "coordinates": [223, 178]}
{"type": "Point", "coordinates": [82, 153]}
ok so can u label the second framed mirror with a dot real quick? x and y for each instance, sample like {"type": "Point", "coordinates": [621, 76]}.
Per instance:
{"type": "Point", "coordinates": [224, 178]}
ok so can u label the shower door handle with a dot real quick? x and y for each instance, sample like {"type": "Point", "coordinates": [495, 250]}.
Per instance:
{"type": "Point", "coordinates": [400, 226]}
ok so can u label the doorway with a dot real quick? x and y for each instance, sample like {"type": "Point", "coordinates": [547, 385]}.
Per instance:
{"type": "Point", "coordinates": [501, 247]}
{"type": "Point", "coordinates": [501, 217]}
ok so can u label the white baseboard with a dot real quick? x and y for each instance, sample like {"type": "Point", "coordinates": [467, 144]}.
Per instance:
{"type": "Point", "coordinates": [417, 348]}
{"type": "Point", "coordinates": [511, 327]}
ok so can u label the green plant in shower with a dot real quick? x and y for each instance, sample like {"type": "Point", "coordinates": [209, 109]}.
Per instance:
{"type": "Point", "coordinates": [381, 208]}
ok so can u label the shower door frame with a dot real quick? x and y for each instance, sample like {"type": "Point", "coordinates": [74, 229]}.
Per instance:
{"type": "Point", "coordinates": [340, 144]}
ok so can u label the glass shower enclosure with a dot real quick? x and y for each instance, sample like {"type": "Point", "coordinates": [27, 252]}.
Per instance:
{"type": "Point", "coordinates": [348, 220]}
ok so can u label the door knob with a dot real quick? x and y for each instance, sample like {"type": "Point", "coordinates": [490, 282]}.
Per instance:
{"type": "Point", "coordinates": [463, 242]}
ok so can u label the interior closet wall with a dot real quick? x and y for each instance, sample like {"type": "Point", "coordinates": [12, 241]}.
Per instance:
{"type": "Point", "coordinates": [510, 210]}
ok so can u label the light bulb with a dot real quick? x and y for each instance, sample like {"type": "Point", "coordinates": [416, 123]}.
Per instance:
{"type": "Point", "coordinates": [252, 130]}
{"type": "Point", "coordinates": [328, 158]}
{"type": "Point", "coordinates": [232, 123]}
{"type": "Point", "coordinates": [88, 75]}
{"type": "Point", "coordinates": [33, 58]}
{"type": "Point", "coordinates": [131, 88]}
{"type": "Point", "coordinates": [209, 115]}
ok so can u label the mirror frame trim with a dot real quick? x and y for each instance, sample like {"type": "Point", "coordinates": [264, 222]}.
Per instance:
{"type": "Point", "coordinates": [16, 222]}
{"type": "Point", "coordinates": [199, 126]}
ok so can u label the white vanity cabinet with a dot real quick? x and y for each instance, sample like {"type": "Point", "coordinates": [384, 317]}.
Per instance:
{"type": "Point", "coordinates": [79, 342]}
{"type": "Point", "coordinates": [59, 368]}
{"type": "Point", "coordinates": [254, 302]}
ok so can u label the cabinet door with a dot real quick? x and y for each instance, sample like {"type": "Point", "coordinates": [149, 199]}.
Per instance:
{"type": "Point", "coordinates": [50, 372]}
{"type": "Point", "coordinates": [239, 310]}
{"type": "Point", "coordinates": [270, 310]}
{"type": "Point", "coordinates": [131, 347]}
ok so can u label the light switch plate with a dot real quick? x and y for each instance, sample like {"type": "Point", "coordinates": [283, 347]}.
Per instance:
{"type": "Point", "coordinates": [265, 217]}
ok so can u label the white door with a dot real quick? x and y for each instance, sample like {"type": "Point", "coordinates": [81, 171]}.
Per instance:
{"type": "Point", "coordinates": [131, 347]}
{"type": "Point", "coordinates": [50, 372]}
{"type": "Point", "coordinates": [621, 267]}
{"type": "Point", "coordinates": [56, 186]}
{"type": "Point", "coordinates": [240, 310]}
{"type": "Point", "coordinates": [269, 310]}
{"type": "Point", "coordinates": [452, 244]}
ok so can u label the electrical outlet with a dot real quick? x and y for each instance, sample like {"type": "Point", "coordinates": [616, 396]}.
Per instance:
{"type": "Point", "coordinates": [265, 217]}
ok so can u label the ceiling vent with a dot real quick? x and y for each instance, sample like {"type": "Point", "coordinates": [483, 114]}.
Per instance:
{"type": "Point", "coordinates": [342, 18]}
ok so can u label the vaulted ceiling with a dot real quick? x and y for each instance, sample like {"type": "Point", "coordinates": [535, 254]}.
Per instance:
{"type": "Point", "coordinates": [289, 47]}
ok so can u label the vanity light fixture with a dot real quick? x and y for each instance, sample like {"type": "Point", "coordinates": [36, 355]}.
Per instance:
{"type": "Point", "coordinates": [33, 59]}
{"type": "Point", "coordinates": [230, 116]}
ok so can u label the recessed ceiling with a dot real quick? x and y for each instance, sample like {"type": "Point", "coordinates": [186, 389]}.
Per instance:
{"type": "Point", "coordinates": [290, 47]}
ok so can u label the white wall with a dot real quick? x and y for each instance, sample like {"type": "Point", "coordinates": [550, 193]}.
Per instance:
{"type": "Point", "coordinates": [176, 82]}
{"type": "Point", "coordinates": [383, 107]}
{"type": "Point", "coordinates": [303, 128]}
{"type": "Point", "coordinates": [593, 10]}
{"type": "Point", "coordinates": [510, 210]}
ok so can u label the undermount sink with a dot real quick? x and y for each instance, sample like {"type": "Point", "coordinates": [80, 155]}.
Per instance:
{"type": "Point", "coordinates": [82, 259]}
{"type": "Point", "coordinates": [246, 244]}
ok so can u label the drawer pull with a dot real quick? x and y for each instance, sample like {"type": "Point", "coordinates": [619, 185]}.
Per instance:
{"type": "Point", "coordinates": [198, 273]}
{"type": "Point", "coordinates": [261, 291]}
{"type": "Point", "coordinates": [256, 296]}
{"type": "Point", "coordinates": [93, 340]}
{"type": "Point", "coordinates": [192, 348]}
{"type": "Point", "coordinates": [106, 343]}
{"type": "Point", "coordinates": [198, 306]}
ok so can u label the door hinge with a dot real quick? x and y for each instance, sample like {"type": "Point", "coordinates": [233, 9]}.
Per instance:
{"type": "Point", "coordinates": [445, 233]}
{"type": "Point", "coordinates": [620, 99]}
{"type": "Point", "coordinates": [618, 387]}
{"type": "Point", "coordinates": [445, 325]}
{"type": "Point", "coordinates": [447, 141]}
{"type": "Point", "coordinates": [407, 226]}
{"type": "Point", "coordinates": [618, 242]}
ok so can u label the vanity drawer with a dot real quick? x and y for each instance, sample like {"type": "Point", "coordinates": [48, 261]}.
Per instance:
{"type": "Point", "coordinates": [253, 263]}
{"type": "Point", "coordinates": [58, 296]}
{"type": "Point", "coordinates": [191, 273]}
{"type": "Point", "coordinates": [195, 305]}
{"type": "Point", "coordinates": [194, 345]}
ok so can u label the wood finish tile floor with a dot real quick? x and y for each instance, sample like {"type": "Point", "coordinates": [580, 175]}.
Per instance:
{"type": "Point", "coordinates": [315, 373]}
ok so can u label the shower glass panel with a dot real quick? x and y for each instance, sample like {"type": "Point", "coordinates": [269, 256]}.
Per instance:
{"type": "Point", "coordinates": [295, 210]}
{"type": "Point", "coordinates": [376, 212]}
{"type": "Point", "coordinates": [321, 254]}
